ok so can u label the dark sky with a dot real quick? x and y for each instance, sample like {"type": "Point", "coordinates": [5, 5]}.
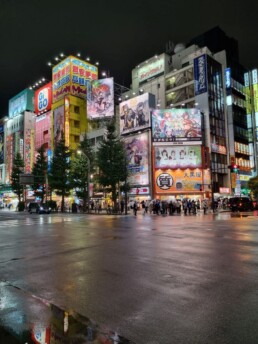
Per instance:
{"type": "Point", "coordinates": [119, 34]}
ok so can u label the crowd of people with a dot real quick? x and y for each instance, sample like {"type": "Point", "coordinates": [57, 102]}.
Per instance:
{"type": "Point", "coordinates": [177, 206]}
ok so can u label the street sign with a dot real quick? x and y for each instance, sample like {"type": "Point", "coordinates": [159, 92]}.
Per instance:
{"type": "Point", "coordinates": [26, 179]}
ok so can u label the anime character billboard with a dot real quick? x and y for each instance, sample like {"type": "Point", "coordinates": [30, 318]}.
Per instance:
{"type": "Point", "coordinates": [135, 113]}
{"type": "Point", "coordinates": [58, 124]}
{"type": "Point", "coordinates": [173, 125]}
{"type": "Point", "coordinates": [137, 149]}
{"type": "Point", "coordinates": [175, 157]}
{"type": "Point", "coordinates": [100, 100]}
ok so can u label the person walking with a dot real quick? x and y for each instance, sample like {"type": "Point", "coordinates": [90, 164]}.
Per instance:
{"type": "Point", "coordinates": [135, 208]}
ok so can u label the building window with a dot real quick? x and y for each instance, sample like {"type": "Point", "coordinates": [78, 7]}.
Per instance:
{"type": "Point", "coordinates": [76, 124]}
{"type": "Point", "coordinates": [76, 109]}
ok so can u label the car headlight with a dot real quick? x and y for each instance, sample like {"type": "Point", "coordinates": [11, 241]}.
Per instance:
{"type": "Point", "coordinates": [41, 208]}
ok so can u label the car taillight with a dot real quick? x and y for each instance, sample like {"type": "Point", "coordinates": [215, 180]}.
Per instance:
{"type": "Point", "coordinates": [240, 204]}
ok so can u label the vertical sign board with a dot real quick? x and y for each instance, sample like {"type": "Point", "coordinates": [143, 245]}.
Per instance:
{"type": "Point", "coordinates": [67, 117]}
{"type": "Point", "coordinates": [200, 74]}
{"type": "Point", "coordinates": [228, 80]}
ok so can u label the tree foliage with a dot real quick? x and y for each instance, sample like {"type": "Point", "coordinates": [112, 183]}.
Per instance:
{"type": "Point", "coordinates": [81, 168]}
{"type": "Point", "coordinates": [253, 186]}
{"type": "Point", "coordinates": [40, 171]}
{"type": "Point", "coordinates": [18, 168]}
{"type": "Point", "coordinates": [112, 161]}
{"type": "Point", "coordinates": [59, 171]}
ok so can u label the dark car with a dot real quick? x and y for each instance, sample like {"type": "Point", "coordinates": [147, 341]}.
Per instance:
{"type": "Point", "coordinates": [38, 208]}
{"type": "Point", "coordinates": [240, 204]}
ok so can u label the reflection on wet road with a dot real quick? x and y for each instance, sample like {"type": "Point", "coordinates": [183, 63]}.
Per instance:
{"type": "Point", "coordinates": [151, 279]}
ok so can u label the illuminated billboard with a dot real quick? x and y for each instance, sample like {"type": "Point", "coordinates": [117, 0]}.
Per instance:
{"type": "Point", "coordinates": [43, 99]}
{"type": "Point", "coordinates": [174, 157]}
{"type": "Point", "coordinates": [21, 102]}
{"type": "Point", "coordinates": [1, 144]}
{"type": "Point", "coordinates": [72, 76]}
{"type": "Point", "coordinates": [200, 74]}
{"type": "Point", "coordinates": [100, 101]}
{"type": "Point", "coordinates": [58, 124]}
{"type": "Point", "coordinates": [177, 181]}
{"type": "Point", "coordinates": [135, 113]}
{"type": "Point", "coordinates": [137, 149]}
{"type": "Point", "coordinates": [154, 68]}
{"type": "Point", "coordinates": [42, 130]}
{"type": "Point", "coordinates": [176, 125]}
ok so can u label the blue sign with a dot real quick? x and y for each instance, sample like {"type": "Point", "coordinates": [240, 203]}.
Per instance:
{"type": "Point", "coordinates": [200, 75]}
{"type": "Point", "coordinates": [49, 159]}
{"type": "Point", "coordinates": [228, 78]}
{"type": "Point", "coordinates": [21, 102]}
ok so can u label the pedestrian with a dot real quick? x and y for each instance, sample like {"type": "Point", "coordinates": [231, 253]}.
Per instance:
{"type": "Point", "coordinates": [135, 208]}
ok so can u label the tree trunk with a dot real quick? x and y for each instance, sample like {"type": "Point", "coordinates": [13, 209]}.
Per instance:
{"type": "Point", "coordinates": [62, 203]}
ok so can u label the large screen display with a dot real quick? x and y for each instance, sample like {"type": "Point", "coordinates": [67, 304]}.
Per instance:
{"type": "Point", "coordinates": [100, 101]}
{"type": "Point", "coordinates": [137, 149]}
{"type": "Point", "coordinates": [177, 181]}
{"type": "Point", "coordinates": [58, 124]}
{"type": "Point", "coordinates": [175, 125]}
{"type": "Point", "coordinates": [135, 113]}
{"type": "Point", "coordinates": [174, 157]}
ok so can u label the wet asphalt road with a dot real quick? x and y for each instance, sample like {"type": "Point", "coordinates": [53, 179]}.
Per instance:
{"type": "Point", "coordinates": [153, 279]}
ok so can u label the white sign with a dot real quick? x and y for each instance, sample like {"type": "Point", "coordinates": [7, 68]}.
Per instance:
{"type": "Point", "coordinates": [254, 76]}
{"type": "Point", "coordinates": [140, 191]}
{"type": "Point", "coordinates": [151, 69]}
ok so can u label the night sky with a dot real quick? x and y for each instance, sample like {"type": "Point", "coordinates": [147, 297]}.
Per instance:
{"type": "Point", "coordinates": [118, 34]}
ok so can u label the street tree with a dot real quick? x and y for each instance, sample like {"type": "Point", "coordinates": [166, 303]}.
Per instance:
{"type": "Point", "coordinates": [40, 172]}
{"type": "Point", "coordinates": [253, 186]}
{"type": "Point", "coordinates": [58, 177]}
{"type": "Point", "coordinates": [112, 161]}
{"type": "Point", "coordinates": [81, 168]}
{"type": "Point", "coordinates": [18, 168]}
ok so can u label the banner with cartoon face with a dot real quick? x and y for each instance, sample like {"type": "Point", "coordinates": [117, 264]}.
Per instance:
{"type": "Point", "coordinates": [176, 125]}
{"type": "Point", "coordinates": [178, 157]}
{"type": "Point", "coordinates": [137, 148]}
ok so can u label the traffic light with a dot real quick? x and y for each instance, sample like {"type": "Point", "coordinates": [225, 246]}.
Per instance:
{"type": "Point", "coordinates": [234, 168]}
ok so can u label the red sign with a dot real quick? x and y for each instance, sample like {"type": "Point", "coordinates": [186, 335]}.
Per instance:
{"type": "Point", "coordinates": [43, 99]}
{"type": "Point", "coordinates": [224, 190]}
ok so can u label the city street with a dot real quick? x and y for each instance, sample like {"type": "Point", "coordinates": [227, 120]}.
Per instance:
{"type": "Point", "coordinates": [151, 279]}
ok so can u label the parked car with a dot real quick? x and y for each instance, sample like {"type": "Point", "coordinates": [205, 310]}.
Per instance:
{"type": "Point", "coordinates": [37, 208]}
{"type": "Point", "coordinates": [240, 204]}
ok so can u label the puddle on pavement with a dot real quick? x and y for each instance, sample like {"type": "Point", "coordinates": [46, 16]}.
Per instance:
{"type": "Point", "coordinates": [26, 319]}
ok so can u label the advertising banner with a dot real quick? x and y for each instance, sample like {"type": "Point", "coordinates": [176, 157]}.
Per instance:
{"type": "Point", "coordinates": [176, 125]}
{"type": "Point", "coordinates": [21, 102]}
{"type": "Point", "coordinates": [81, 74]}
{"type": "Point", "coordinates": [200, 74]}
{"type": "Point", "coordinates": [135, 113]}
{"type": "Point", "coordinates": [27, 151]}
{"type": "Point", "coordinates": [67, 118]}
{"type": "Point", "coordinates": [72, 76]}
{"type": "Point", "coordinates": [43, 98]}
{"type": "Point", "coordinates": [137, 148]}
{"type": "Point", "coordinates": [174, 157]}
{"type": "Point", "coordinates": [100, 100]}
{"type": "Point", "coordinates": [151, 69]}
{"type": "Point", "coordinates": [42, 130]}
{"type": "Point", "coordinates": [177, 181]}
{"type": "Point", "coordinates": [9, 156]}
{"type": "Point", "coordinates": [58, 124]}
{"type": "Point", "coordinates": [2, 145]}
{"type": "Point", "coordinates": [61, 79]}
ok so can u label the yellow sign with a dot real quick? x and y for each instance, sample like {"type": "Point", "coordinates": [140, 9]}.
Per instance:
{"type": "Point", "coordinates": [67, 117]}
{"type": "Point", "coordinates": [233, 180]}
{"type": "Point", "coordinates": [178, 181]}
{"type": "Point", "coordinates": [72, 76]}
